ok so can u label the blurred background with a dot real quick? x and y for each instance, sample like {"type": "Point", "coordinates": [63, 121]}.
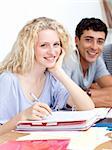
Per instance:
{"type": "Point", "coordinates": [14, 14]}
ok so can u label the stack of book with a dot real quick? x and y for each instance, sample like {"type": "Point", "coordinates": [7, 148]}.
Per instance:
{"type": "Point", "coordinates": [64, 121]}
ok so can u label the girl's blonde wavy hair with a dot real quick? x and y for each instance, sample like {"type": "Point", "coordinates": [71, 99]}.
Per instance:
{"type": "Point", "coordinates": [21, 58]}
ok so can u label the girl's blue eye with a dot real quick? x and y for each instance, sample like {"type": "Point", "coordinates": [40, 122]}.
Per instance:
{"type": "Point", "coordinates": [47, 45]}
{"type": "Point", "coordinates": [56, 44]}
{"type": "Point", "coordinates": [43, 45]}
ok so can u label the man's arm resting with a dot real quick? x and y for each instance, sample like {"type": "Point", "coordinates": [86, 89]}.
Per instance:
{"type": "Point", "coordinates": [102, 97]}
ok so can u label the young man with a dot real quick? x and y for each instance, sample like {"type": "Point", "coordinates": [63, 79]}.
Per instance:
{"type": "Point", "coordinates": [86, 66]}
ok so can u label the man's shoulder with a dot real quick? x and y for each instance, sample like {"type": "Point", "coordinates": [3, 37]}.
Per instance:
{"type": "Point", "coordinates": [71, 61]}
{"type": "Point", "coordinates": [99, 60]}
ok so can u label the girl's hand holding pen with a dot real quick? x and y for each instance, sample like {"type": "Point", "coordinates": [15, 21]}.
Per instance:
{"type": "Point", "coordinates": [37, 111]}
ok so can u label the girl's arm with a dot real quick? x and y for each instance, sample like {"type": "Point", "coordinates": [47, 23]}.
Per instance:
{"type": "Point", "coordinates": [79, 99]}
{"type": "Point", "coordinates": [36, 112]}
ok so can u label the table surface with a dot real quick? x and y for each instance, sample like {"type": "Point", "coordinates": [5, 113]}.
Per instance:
{"type": "Point", "coordinates": [92, 139]}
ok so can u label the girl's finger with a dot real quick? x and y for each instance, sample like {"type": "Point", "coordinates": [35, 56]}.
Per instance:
{"type": "Point", "coordinates": [42, 107]}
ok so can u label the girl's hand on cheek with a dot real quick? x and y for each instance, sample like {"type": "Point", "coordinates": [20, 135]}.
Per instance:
{"type": "Point", "coordinates": [59, 62]}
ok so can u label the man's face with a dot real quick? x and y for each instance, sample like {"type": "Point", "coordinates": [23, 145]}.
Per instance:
{"type": "Point", "coordinates": [90, 45]}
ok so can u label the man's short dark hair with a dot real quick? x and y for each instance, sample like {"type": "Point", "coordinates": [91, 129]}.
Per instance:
{"type": "Point", "coordinates": [94, 24]}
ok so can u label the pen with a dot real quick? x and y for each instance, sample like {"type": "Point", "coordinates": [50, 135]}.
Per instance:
{"type": "Point", "coordinates": [34, 97]}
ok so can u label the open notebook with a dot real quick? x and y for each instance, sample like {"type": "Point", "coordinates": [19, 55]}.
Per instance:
{"type": "Point", "coordinates": [109, 115]}
{"type": "Point", "coordinates": [64, 120]}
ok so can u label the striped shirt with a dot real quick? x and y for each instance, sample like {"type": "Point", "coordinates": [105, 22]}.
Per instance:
{"type": "Point", "coordinates": [107, 56]}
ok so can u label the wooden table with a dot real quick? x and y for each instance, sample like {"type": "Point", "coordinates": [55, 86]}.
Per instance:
{"type": "Point", "coordinates": [92, 139]}
{"type": "Point", "coordinates": [11, 136]}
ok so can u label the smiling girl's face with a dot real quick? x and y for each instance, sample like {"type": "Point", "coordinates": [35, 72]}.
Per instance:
{"type": "Point", "coordinates": [47, 49]}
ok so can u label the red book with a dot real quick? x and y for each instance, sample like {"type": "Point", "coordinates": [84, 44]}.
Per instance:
{"type": "Point", "coordinates": [54, 144]}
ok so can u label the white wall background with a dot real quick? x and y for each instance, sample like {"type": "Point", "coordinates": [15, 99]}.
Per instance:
{"type": "Point", "coordinates": [14, 14]}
